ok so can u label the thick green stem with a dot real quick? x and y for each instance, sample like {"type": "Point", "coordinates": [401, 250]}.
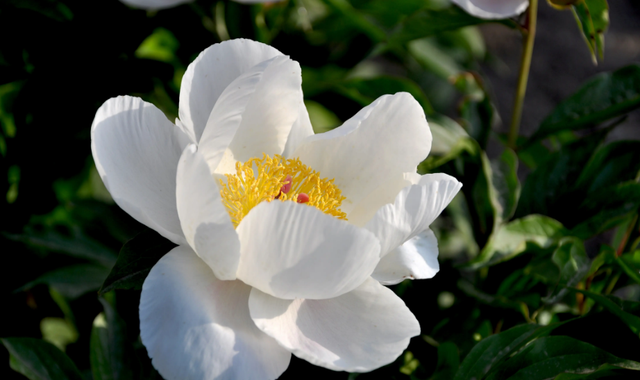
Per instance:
{"type": "Point", "coordinates": [525, 63]}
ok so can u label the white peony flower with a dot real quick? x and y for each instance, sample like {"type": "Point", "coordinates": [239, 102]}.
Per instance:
{"type": "Point", "coordinates": [162, 4]}
{"type": "Point", "coordinates": [257, 274]}
{"type": "Point", "coordinates": [493, 9]}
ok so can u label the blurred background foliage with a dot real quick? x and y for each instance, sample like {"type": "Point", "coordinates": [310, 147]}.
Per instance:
{"type": "Point", "coordinates": [539, 252]}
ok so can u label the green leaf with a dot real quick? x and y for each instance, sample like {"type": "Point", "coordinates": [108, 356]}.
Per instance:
{"type": "Point", "coordinates": [448, 361]}
{"type": "Point", "coordinates": [606, 371]}
{"type": "Point", "coordinates": [592, 17]}
{"type": "Point", "coordinates": [161, 45]}
{"type": "Point", "coordinates": [606, 208]}
{"type": "Point", "coordinates": [322, 119]}
{"type": "Point", "coordinates": [74, 280]}
{"type": "Point", "coordinates": [614, 307]}
{"type": "Point", "coordinates": [552, 355]}
{"type": "Point", "coordinates": [366, 91]}
{"type": "Point", "coordinates": [77, 244]}
{"type": "Point", "coordinates": [446, 134]}
{"type": "Point", "coordinates": [511, 239]}
{"type": "Point", "coordinates": [136, 259]}
{"type": "Point", "coordinates": [549, 188]}
{"type": "Point", "coordinates": [58, 331]}
{"type": "Point", "coordinates": [606, 96]}
{"type": "Point", "coordinates": [616, 162]}
{"type": "Point", "coordinates": [491, 351]}
{"type": "Point", "coordinates": [571, 258]}
{"type": "Point", "coordinates": [505, 180]}
{"type": "Point", "coordinates": [39, 360]}
{"type": "Point", "coordinates": [427, 22]}
{"type": "Point", "coordinates": [110, 352]}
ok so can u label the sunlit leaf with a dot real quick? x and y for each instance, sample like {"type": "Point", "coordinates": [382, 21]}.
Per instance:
{"type": "Point", "coordinates": [571, 258]}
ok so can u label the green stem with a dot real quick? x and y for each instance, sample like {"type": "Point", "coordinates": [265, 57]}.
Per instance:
{"type": "Point", "coordinates": [529, 34]}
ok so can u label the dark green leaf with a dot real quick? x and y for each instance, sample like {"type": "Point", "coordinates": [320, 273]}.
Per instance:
{"type": "Point", "coordinates": [616, 162]}
{"type": "Point", "coordinates": [136, 259]}
{"type": "Point", "coordinates": [606, 371]}
{"type": "Point", "coordinates": [592, 17]}
{"type": "Point", "coordinates": [39, 360]}
{"type": "Point", "coordinates": [110, 352]}
{"type": "Point", "coordinates": [606, 208]}
{"type": "Point", "coordinates": [73, 281]}
{"type": "Point", "coordinates": [511, 239]}
{"type": "Point", "coordinates": [614, 307]}
{"type": "Point", "coordinates": [491, 351]}
{"type": "Point", "coordinates": [427, 22]}
{"type": "Point", "coordinates": [571, 258]}
{"type": "Point", "coordinates": [606, 96]}
{"type": "Point", "coordinates": [549, 356]}
{"type": "Point", "coordinates": [77, 245]}
{"type": "Point", "coordinates": [448, 361]}
{"type": "Point", "coordinates": [505, 180]}
{"type": "Point", "coordinates": [366, 91]}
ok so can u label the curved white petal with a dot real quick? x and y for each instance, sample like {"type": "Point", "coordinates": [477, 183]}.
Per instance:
{"type": "Point", "coordinates": [154, 4]}
{"type": "Point", "coordinates": [254, 115]}
{"type": "Point", "coordinates": [414, 209]}
{"type": "Point", "coordinates": [367, 207]}
{"type": "Point", "coordinates": [136, 151]}
{"type": "Point", "coordinates": [300, 130]}
{"type": "Point", "coordinates": [385, 139]}
{"type": "Point", "coordinates": [211, 73]}
{"type": "Point", "coordinates": [195, 326]}
{"type": "Point", "coordinates": [493, 9]}
{"type": "Point", "coordinates": [291, 250]}
{"type": "Point", "coordinates": [356, 332]}
{"type": "Point", "coordinates": [416, 259]}
{"type": "Point", "coordinates": [204, 219]}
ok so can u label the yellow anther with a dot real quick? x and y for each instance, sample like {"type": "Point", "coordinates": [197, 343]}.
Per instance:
{"type": "Point", "coordinates": [277, 178]}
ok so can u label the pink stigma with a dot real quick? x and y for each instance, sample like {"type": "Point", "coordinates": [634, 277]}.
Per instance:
{"type": "Point", "coordinates": [287, 185]}
{"type": "Point", "coordinates": [303, 198]}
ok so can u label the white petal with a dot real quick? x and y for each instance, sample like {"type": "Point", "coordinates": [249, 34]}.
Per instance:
{"type": "Point", "coordinates": [209, 74]}
{"type": "Point", "coordinates": [154, 4]}
{"type": "Point", "coordinates": [204, 219]}
{"type": "Point", "coordinates": [356, 332]}
{"type": "Point", "coordinates": [493, 9]}
{"type": "Point", "coordinates": [414, 209]}
{"type": "Point", "coordinates": [367, 207]}
{"type": "Point", "coordinates": [300, 130]}
{"type": "Point", "coordinates": [415, 259]}
{"type": "Point", "coordinates": [385, 139]}
{"type": "Point", "coordinates": [254, 115]}
{"type": "Point", "coordinates": [195, 326]}
{"type": "Point", "coordinates": [136, 151]}
{"type": "Point", "coordinates": [291, 250]}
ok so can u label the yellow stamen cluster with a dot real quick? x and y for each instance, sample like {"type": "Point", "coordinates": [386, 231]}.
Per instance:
{"type": "Point", "coordinates": [259, 180]}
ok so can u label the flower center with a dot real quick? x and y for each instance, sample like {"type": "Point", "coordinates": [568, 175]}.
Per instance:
{"type": "Point", "coordinates": [277, 178]}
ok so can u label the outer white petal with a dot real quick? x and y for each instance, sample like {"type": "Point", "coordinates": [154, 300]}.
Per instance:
{"type": "Point", "coordinates": [195, 326]}
{"type": "Point", "coordinates": [356, 332]}
{"type": "Point", "coordinates": [300, 130]}
{"type": "Point", "coordinates": [414, 209]}
{"type": "Point", "coordinates": [254, 115]}
{"type": "Point", "coordinates": [136, 151]}
{"type": "Point", "coordinates": [290, 250]}
{"type": "Point", "coordinates": [493, 9]}
{"type": "Point", "coordinates": [415, 259]}
{"type": "Point", "coordinates": [204, 219]}
{"type": "Point", "coordinates": [385, 139]}
{"type": "Point", "coordinates": [154, 4]}
{"type": "Point", "coordinates": [210, 74]}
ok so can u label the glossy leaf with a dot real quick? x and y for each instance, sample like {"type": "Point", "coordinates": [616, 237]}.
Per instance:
{"type": "Point", "coordinates": [592, 17]}
{"type": "Point", "coordinates": [136, 259]}
{"type": "Point", "coordinates": [549, 356]}
{"type": "Point", "coordinates": [39, 360]}
{"type": "Point", "coordinates": [571, 258]}
{"type": "Point", "coordinates": [511, 239]}
{"type": "Point", "coordinates": [491, 351]}
{"type": "Point", "coordinates": [606, 371]}
{"type": "Point", "coordinates": [604, 97]}
{"type": "Point", "coordinates": [110, 352]}
{"type": "Point", "coordinates": [505, 180]}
